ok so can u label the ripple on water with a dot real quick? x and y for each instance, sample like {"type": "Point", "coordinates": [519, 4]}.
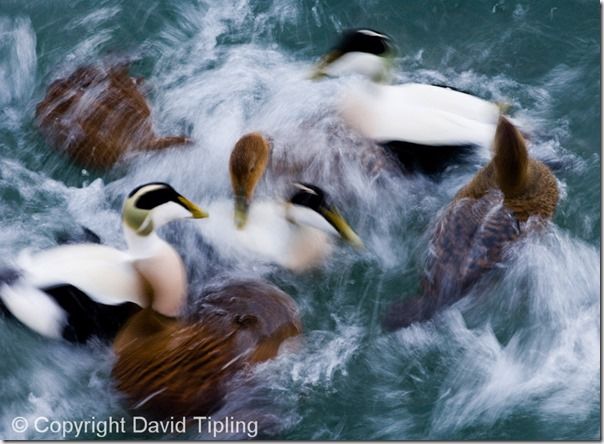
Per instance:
{"type": "Point", "coordinates": [519, 358]}
{"type": "Point", "coordinates": [524, 347]}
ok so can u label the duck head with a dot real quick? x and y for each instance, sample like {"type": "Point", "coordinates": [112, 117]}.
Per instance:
{"type": "Point", "coordinates": [247, 165]}
{"type": "Point", "coordinates": [359, 51]}
{"type": "Point", "coordinates": [152, 205]}
{"type": "Point", "coordinates": [309, 205]}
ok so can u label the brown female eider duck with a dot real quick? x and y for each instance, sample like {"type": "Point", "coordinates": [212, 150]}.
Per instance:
{"type": "Point", "coordinates": [483, 221]}
{"type": "Point", "coordinates": [97, 115]}
{"type": "Point", "coordinates": [169, 366]}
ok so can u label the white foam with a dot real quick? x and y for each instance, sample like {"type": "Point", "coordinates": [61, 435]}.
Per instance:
{"type": "Point", "coordinates": [18, 60]}
{"type": "Point", "coordinates": [531, 349]}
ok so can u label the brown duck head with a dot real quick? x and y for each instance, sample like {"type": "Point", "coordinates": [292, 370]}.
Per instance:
{"type": "Point", "coordinates": [247, 165]}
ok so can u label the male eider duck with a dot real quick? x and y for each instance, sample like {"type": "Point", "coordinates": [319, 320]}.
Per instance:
{"type": "Point", "coordinates": [296, 234]}
{"type": "Point", "coordinates": [79, 291]}
{"type": "Point", "coordinates": [96, 115]}
{"type": "Point", "coordinates": [426, 127]}
{"type": "Point", "coordinates": [485, 218]}
{"type": "Point", "coordinates": [181, 367]}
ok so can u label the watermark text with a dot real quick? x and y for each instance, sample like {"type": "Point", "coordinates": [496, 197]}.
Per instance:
{"type": "Point", "coordinates": [101, 428]}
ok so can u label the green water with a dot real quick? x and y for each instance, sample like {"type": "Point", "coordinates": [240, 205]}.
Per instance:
{"type": "Point", "coordinates": [522, 363]}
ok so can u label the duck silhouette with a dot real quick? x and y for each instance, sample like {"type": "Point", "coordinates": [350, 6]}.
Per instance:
{"type": "Point", "coordinates": [474, 232]}
{"type": "Point", "coordinates": [97, 115]}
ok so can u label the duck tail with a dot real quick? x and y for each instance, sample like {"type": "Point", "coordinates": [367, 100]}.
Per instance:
{"type": "Point", "coordinates": [511, 158]}
{"type": "Point", "coordinates": [8, 276]}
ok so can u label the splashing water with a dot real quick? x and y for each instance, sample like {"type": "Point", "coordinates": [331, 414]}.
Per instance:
{"type": "Point", "coordinates": [518, 358]}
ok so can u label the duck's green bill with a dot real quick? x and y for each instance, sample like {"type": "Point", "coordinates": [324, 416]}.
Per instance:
{"type": "Point", "coordinates": [319, 70]}
{"type": "Point", "coordinates": [196, 212]}
{"type": "Point", "coordinates": [241, 211]}
{"type": "Point", "coordinates": [342, 227]}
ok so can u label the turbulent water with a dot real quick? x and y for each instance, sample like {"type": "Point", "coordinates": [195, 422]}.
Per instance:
{"type": "Point", "coordinates": [517, 359]}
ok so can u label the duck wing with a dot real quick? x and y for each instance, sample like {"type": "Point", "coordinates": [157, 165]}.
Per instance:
{"type": "Point", "coordinates": [469, 239]}
{"type": "Point", "coordinates": [183, 367]}
{"type": "Point", "coordinates": [449, 100]}
{"type": "Point", "coordinates": [421, 114]}
{"type": "Point", "coordinates": [85, 317]}
{"type": "Point", "coordinates": [73, 291]}
{"type": "Point", "coordinates": [103, 273]}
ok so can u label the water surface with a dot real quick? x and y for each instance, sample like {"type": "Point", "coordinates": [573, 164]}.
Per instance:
{"type": "Point", "coordinates": [518, 359]}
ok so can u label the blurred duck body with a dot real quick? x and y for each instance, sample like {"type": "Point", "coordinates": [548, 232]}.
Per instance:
{"type": "Point", "coordinates": [97, 115]}
{"type": "Point", "coordinates": [169, 366]}
{"type": "Point", "coordinates": [474, 233]}
{"type": "Point", "coordinates": [76, 292]}
{"type": "Point", "coordinates": [426, 127]}
{"type": "Point", "coordinates": [296, 234]}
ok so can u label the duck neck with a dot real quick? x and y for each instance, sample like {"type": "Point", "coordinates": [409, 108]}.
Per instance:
{"type": "Point", "coordinates": [162, 268]}
{"type": "Point", "coordinates": [142, 246]}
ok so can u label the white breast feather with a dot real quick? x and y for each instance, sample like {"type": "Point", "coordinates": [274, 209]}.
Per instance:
{"type": "Point", "coordinates": [267, 237]}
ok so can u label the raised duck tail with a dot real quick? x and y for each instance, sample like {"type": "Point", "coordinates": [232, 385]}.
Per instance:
{"type": "Point", "coordinates": [511, 159]}
{"type": "Point", "coordinates": [7, 277]}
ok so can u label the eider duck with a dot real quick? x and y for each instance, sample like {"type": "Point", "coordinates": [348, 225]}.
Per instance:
{"type": "Point", "coordinates": [96, 115]}
{"type": "Point", "coordinates": [426, 127]}
{"type": "Point", "coordinates": [296, 234]}
{"type": "Point", "coordinates": [75, 292]}
{"type": "Point", "coordinates": [181, 367]}
{"type": "Point", "coordinates": [485, 218]}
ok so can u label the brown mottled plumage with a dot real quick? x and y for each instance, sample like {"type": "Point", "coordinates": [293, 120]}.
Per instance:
{"type": "Point", "coordinates": [529, 188]}
{"type": "Point", "coordinates": [168, 367]}
{"type": "Point", "coordinates": [96, 115]}
{"type": "Point", "coordinates": [475, 230]}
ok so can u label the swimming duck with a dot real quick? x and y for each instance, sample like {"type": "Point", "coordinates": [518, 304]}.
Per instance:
{"type": "Point", "coordinates": [296, 234]}
{"type": "Point", "coordinates": [75, 292]}
{"type": "Point", "coordinates": [96, 115]}
{"type": "Point", "coordinates": [426, 127]}
{"type": "Point", "coordinates": [173, 366]}
{"type": "Point", "coordinates": [484, 220]}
